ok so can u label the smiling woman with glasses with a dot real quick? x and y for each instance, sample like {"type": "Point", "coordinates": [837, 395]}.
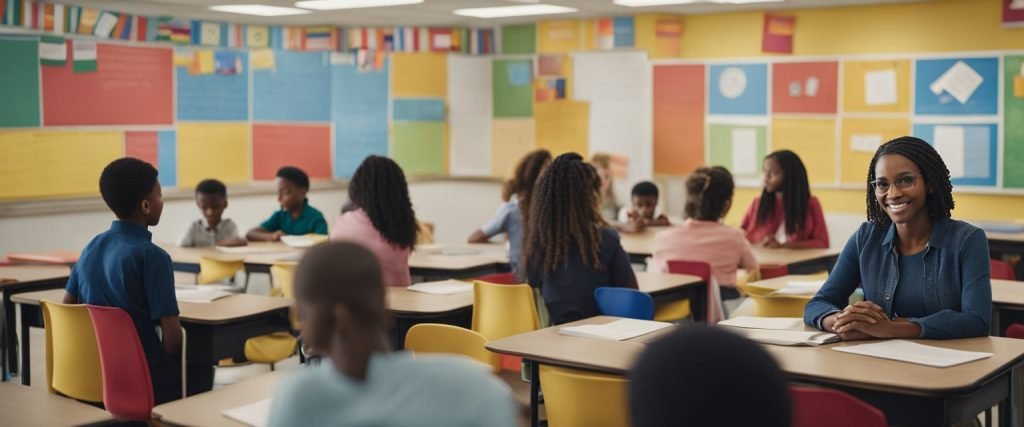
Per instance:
{"type": "Point", "coordinates": [924, 274]}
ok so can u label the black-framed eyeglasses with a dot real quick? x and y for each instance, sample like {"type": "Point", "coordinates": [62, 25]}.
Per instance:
{"type": "Point", "coordinates": [903, 183]}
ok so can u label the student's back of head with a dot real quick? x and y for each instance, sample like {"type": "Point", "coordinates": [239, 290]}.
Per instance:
{"type": "Point", "coordinates": [527, 173]}
{"type": "Point", "coordinates": [703, 376]}
{"type": "Point", "coordinates": [379, 188]}
{"type": "Point", "coordinates": [709, 193]}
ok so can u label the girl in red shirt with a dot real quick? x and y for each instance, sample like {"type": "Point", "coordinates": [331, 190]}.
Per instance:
{"type": "Point", "coordinates": [786, 215]}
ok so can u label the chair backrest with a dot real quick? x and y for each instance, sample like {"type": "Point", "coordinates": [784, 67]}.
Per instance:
{"type": "Point", "coordinates": [501, 279]}
{"type": "Point", "coordinates": [1002, 270]}
{"type": "Point", "coordinates": [503, 310]}
{"type": "Point", "coordinates": [439, 338]}
{"type": "Point", "coordinates": [574, 398]}
{"type": "Point", "coordinates": [694, 268]}
{"type": "Point", "coordinates": [779, 306]}
{"type": "Point", "coordinates": [127, 386]}
{"type": "Point", "coordinates": [213, 270]}
{"type": "Point", "coordinates": [1015, 330]}
{"type": "Point", "coordinates": [282, 275]}
{"type": "Point", "coordinates": [72, 359]}
{"type": "Point", "coordinates": [624, 302]}
{"type": "Point", "coordinates": [769, 271]}
{"type": "Point", "coordinates": [814, 406]}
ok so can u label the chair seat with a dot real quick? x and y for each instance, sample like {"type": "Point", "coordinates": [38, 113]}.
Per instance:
{"type": "Point", "coordinates": [672, 310]}
{"type": "Point", "coordinates": [270, 348]}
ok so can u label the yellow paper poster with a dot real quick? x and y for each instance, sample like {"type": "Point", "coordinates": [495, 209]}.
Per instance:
{"type": "Point", "coordinates": [183, 58]}
{"type": "Point", "coordinates": [213, 150]}
{"type": "Point", "coordinates": [562, 126]}
{"type": "Point", "coordinates": [262, 59]}
{"type": "Point", "coordinates": [202, 62]}
{"type": "Point", "coordinates": [55, 163]}
{"type": "Point", "coordinates": [511, 139]}
{"type": "Point", "coordinates": [419, 75]}
{"type": "Point", "coordinates": [560, 36]}
{"type": "Point", "coordinates": [257, 36]}
{"type": "Point", "coordinates": [812, 140]}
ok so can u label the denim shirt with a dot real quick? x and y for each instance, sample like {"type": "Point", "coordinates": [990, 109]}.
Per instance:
{"type": "Point", "coordinates": [957, 289]}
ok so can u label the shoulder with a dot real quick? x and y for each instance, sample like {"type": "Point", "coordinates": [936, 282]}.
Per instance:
{"type": "Point", "coordinates": [963, 232]}
{"type": "Point", "coordinates": [226, 222]}
{"type": "Point", "coordinates": [457, 374]}
{"type": "Point", "coordinates": [609, 236]}
{"type": "Point", "coordinates": [153, 252]}
{"type": "Point", "coordinates": [813, 203]}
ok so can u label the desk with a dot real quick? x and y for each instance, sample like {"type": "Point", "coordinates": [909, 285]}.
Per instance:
{"type": "Point", "coordinates": [1007, 244]}
{"type": "Point", "coordinates": [1007, 305]}
{"type": "Point", "coordinates": [34, 406]}
{"type": "Point", "coordinates": [29, 278]}
{"type": "Point", "coordinates": [640, 245]}
{"type": "Point", "coordinates": [205, 409]}
{"type": "Point", "coordinates": [216, 330]}
{"type": "Point", "coordinates": [909, 394]}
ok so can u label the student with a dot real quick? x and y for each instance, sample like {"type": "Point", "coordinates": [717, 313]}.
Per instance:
{"type": "Point", "coordinates": [786, 215]}
{"type": "Point", "coordinates": [644, 210]}
{"type": "Point", "coordinates": [609, 206]}
{"type": "Point", "coordinates": [517, 193]}
{"type": "Point", "coordinates": [705, 376]}
{"type": "Point", "coordinates": [924, 275]}
{"type": "Point", "coordinates": [703, 237]}
{"type": "Point", "coordinates": [211, 229]}
{"type": "Point", "coordinates": [569, 250]}
{"type": "Point", "coordinates": [121, 267]}
{"type": "Point", "coordinates": [296, 216]}
{"type": "Point", "coordinates": [360, 382]}
{"type": "Point", "coordinates": [379, 216]}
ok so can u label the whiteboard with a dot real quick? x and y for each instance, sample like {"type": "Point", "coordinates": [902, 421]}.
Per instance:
{"type": "Point", "coordinates": [469, 115]}
{"type": "Point", "coordinates": [618, 86]}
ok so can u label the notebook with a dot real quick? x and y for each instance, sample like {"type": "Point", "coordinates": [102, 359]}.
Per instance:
{"type": "Point", "coordinates": [306, 241]}
{"type": "Point", "coordinates": [907, 351]}
{"type": "Point", "coordinates": [255, 414]}
{"type": "Point", "coordinates": [249, 250]}
{"type": "Point", "coordinates": [443, 287]}
{"type": "Point", "coordinates": [773, 323]}
{"type": "Point", "coordinates": [800, 287]}
{"type": "Point", "coordinates": [618, 330]}
{"type": "Point", "coordinates": [789, 338]}
{"type": "Point", "coordinates": [200, 295]}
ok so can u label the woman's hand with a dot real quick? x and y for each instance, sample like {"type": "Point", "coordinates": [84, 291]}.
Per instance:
{"type": "Point", "coordinates": [868, 318]}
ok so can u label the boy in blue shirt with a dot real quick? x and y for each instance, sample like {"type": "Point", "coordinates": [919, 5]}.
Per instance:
{"type": "Point", "coordinates": [296, 216]}
{"type": "Point", "coordinates": [121, 267]}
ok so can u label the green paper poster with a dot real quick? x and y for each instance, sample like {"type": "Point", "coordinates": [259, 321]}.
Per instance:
{"type": "Point", "coordinates": [19, 64]}
{"type": "Point", "coordinates": [740, 149]}
{"type": "Point", "coordinates": [1013, 122]}
{"type": "Point", "coordinates": [518, 39]}
{"type": "Point", "coordinates": [52, 51]}
{"type": "Point", "coordinates": [83, 55]}
{"type": "Point", "coordinates": [419, 147]}
{"type": "Point", "coordinates": [513, 91]}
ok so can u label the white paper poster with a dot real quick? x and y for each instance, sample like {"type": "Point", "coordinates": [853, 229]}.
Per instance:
{"type": "Point", "coordinates": [744, 151]}
{"type": "Point", "coordinates": [880, 87]}
{"type": "Point", "coordinates": [470, 109]}
{"type": "Point", "coordinates": [733, 82]}
{"type": "Point", "coordinates": [949, 142]}
{"type": "Point", "coordinates": [865, 143]}
{"type": "Point", "coordinates": [811, 86]}
{"type": "Point", "coordinates": [960, 81]}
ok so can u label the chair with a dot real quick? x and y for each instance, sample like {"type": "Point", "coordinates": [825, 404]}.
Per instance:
{"type": "Point", "coordinates": [624, 302]}
{"type": "Point", "coordinates": [503, 310]}
{"type": "Point", "coordinates": [1015, 330]}
{"type": "Point", "coordinates": [1002, 270]}
{"type": "Point", "coordinates": [679, 309]}
{"type": "Point", "coordinates": [214, 270]}
{"type": "Point", "coordinates": [812, 406]}
{"type": "Point", "coordinates": [574, 398]}
{"type": "Point", "coordinates": [275, 347]}
{"type": "Point", "coordinates": [424, 232]}
{"type": "Point", "coordinates": [127, 386]}
{"type": "Point", "coordinates": [438, 338]}
{"type": "Point", "coordinates": [770, 271]}
{"type": "Point", "coordinates": [501, 279]}
{"type": "Point", "coordinates": [72, 359]}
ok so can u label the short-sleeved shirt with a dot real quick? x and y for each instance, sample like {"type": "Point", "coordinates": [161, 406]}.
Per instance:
{"type": "Point", "coordinates": [569, 291]}
{"type": "Point", "coordinates": [121, 267]}
{"type": "Point", "coordinates": [309, 221]}
{"type": "Point", "coordinates": [356, 226]}
{"type": "Point", "coordinates": [508, 220]}
{"type": "Point", "coordinates": [199, 233]}
{"type": "Point", "coordinates": [724, 247]}
{"type": "Point", "coordinates": [399, 391]}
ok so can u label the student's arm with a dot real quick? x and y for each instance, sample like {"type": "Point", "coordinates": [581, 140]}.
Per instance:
{"type": "Point", "coordinates": [750, 220]}
{"type": "Point", "coordinates": [158, 281]}
{"type": "Point", "coordinates": [835, 293]}
{"type": "Point", "coordinates": [816, 223]}
{"type": "Point", "coordinates": [69, 298]}
{"type": "Point", "coordinates": [71, 289]}
{"type": "Point", "coordinates": [320, 226]}
{"type": "Point", "coordinates": [170, 327]}
{"type": "Point", "coordinates": [660, 221]}
{"type": "Point", "coordinates": [497, 225]}
{"type": "Point", "coordinates": [231, 237]}
{"type": "Point", "coordinates": [268, 231]}
{"type": "Point", "coordinates": [748, 261]}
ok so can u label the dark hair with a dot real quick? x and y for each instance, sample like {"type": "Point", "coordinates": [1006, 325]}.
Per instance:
{"type": "Point", "coordinates": [708, 192]}
{"type": "Point", "coordinates": [645, 188]}
{"type": "Point", "coordinates": [564, 214]}
{"type": "Point", "coordinates": [295, 175]}
{"type": "Point", "coordinates": [696, 375]}
{"type": "Point", "coordinates": [356, 281]}
{"type": "Point", "coordinates": [795, 192]}
{"type": "Point", "coordinates": [528, 171]}
{"type": "Point", "coordinates": [212, 187]}
{"type": "Point", "coordinates": [125, 183]}
{"type": "Point", "coordinates": [933, 172]}
{"type": "Point", "coordinates": [378, 187]}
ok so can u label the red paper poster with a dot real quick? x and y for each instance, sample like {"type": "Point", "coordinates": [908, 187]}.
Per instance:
{"type": "Point", "coordinates": [1013, 13]}
{"type": "Point", "coordinates": [305, 146]}
{"type": "Point", "coordinates": [805, 87]}
{"type": "Point", "coordinates": [778, 33]}
{"type": "Point", "coordinates": [142, 146]}
{"type": "Point", "coordinates": [678, 118]}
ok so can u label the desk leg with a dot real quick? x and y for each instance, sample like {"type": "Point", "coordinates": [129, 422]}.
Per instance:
{"type": "Point", "coordinates": [1011, 410]}
{"type": "Point", "coordinates": [10, 358]}
{"type": "Point", "coordinates": [26, 352]}
{"type": "Point", "coordinates": [534, 393]}
{"type": "Point", "coordinates": [4, 374]}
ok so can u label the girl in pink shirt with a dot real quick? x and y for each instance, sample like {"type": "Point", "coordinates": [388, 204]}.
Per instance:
{"type": "Point", "coordinates": [380, 217]}
{"type": "Point", "coordinates": [786, 215]}
{"type": "Point", "coordinates": [702, 237]}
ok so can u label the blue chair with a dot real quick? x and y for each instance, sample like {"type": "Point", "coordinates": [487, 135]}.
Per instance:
{"type": "Point", "coordinates": [624, 302]}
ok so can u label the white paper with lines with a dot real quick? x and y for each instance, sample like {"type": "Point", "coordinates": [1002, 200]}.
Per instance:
{"type": "Point", "coordinates": [906, 351]}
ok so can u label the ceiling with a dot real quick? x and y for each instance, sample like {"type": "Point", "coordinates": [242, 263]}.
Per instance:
{"type": "Point", "coordinates": [434, 12]}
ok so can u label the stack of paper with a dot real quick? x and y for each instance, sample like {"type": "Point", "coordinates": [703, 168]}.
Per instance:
{"type": "Point", "coordinates": [772, 323]}
{"type": "Point", "coordinates": [778, 331]}
{"type": "Point", "coordinates": [459, 251]}
{"type": "Point", "coordinates": [618, 330]}
{"type": "Point", "coordinates": [444, 287]}
{"type": "Point", "coordinates": [800, 287]}
{"type": "Point", "coordinates": [254, 414]}
{"type": "Point", "coordinates": [907, 351]}
{"type": "Point", "coordinates": [249, 250]}
{"type": "Point", "coordinates": [306, 241]}
{"type": "Point", "coordinates": [200, 295]}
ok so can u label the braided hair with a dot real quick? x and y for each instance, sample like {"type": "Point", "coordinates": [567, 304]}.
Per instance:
{"type": "Point", "coordinates": [564, 214]}
{"type": "Point", "coordinates": [528, 171]}
{"type": "Point", "coordinates": [378, 187]}
{"type": "Point", "coordinates": [795, 192]}
{"type": "Point", "coordinates": [708, 193]}
{"type": "Point", "coordinates": [939, 200]}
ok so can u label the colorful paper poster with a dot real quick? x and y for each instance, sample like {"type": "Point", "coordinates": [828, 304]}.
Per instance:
{"type": "Point", "coordinates": [83, 56]}
{"type": "Point", "coordinates": [668, 32]}
{"type": "Point", "coordinates": [203, 62]}
{"type": "Point", "coordinates": [518, 39]}
{"type": "Point", "coordinates": [519, 73]}
{"type": "Point", "coordinates": [262, 59]}
{"type": "Point", "coordinates": [778, 33]}
{"type": "Point", "coordinates": [605, 34]}
{"type": "Point", "coordinates": [1013, 13]}
{"type": "Point", "coordinates": [209, 34]}
{"type": "Point", "coordinates": [52, 51]}
{"type": "Point", "coordinates": [624, 30]}
{"type": "Point", "coordinates": [512, 99]}
{"type": "Point", "coordinates": [227, 62]}
{"type": "Point", "coordinates": [550, 65]}
{"type": "Point", "coordinates": [105, 24]}
{"type": "Point", "coordinates": [87, 20]}
{"type": "Point", "coordinates": [257, 36]}
{"type": "Point", "coordinates": [562, 127]}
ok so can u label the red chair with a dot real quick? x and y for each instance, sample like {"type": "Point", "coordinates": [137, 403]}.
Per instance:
{"type": "Point", "coordinates": [127, 387]}
{"type": "Point", "coordinates": [813, 406]}
{"type": "Point", "coordinates": [1015, 330]}
{"type": "Point", "coordinates": [1002, 270]}
{"type": "Point", "coordinates": [770, 271]}
{"type": "Point", "coordinates": [501, 279]}
{"type": "Point", "coordinates": [700, 269]}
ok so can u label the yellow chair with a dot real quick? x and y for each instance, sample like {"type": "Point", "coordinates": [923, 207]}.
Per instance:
{"type": "Point", "coordinates": [275, 347]}
{"type": "Point", "coordinates": [574, 398]}
{"type": "Point", "coordinates": [672, 310]}
{"type": "Point", "coordinates": [72, 358]}
{"type": "Point", "coordinates": [424, 233]}
{"type": "Point", "coordinates": [214, 270]}
{"type": "Point", "coordinates": [438, 338]}
{"type": "Point", "coordinates": [503, 310]}
{"type": "Point", "coordinates": [767, 305]}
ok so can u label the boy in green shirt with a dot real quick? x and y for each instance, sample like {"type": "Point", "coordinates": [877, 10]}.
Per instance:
{"type": "Point", "coordinates": [296, 216]}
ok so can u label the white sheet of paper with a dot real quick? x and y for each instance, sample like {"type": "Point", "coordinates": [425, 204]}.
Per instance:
{"type": "Point", "coordinates": [200, 295]}
{"type": "Point", "coordinates": [470, 114]}
{"type": "Point", "coordinates": [83, 50]}
{"type": "Point", "coordinates": [800, 287]}
{"type": "Point", "coordinates": [907, 351]}
{"type": "Point", "coordinates": [442, 41]}
{"type": "Point", "coordinates": [618, 330]}
{"type": "Point", "coordinates": [788, 337]}
{"type": "Point", "coordinates": [53, 51]}
{"type": "Point", "coordinates": [880, 87]}
{"type": "Point", "coordinates": [744, 151]}
{"type": "Point", "coordinates": [811, 86]}
{"type": "Point", "coordinates": [865, 143]}
{"type": "Point", "coordinates": [305, 241]}
{"type": "Point", "coordinates": [732, 83]}
{"type": "Point", "coordinates": [443, 287]}
{"type": "Point", "coordinates": [248, 250]}
{"type": "Point", "coordinates": [773, 323]}
{"type": "Point", "coordinates": [949, 142]}
{"type": "Point", "coordinates": [795, 89]}
{"type": "Point", "coordinates": [105, 25]}
{"type": "Point", "coordinates": [961, 81]}
{"type": "Point", "coordinates": [342, 58]}
{"type": "Point", "coordinates": [256, 414]}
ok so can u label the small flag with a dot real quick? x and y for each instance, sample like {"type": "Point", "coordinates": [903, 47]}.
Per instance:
{"type": "Point", "coordinates": [105, 24]}
{"type": "Point", "coordinates": [83, 55]}
{"type": "Point", "coordinates": [53, 52]}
